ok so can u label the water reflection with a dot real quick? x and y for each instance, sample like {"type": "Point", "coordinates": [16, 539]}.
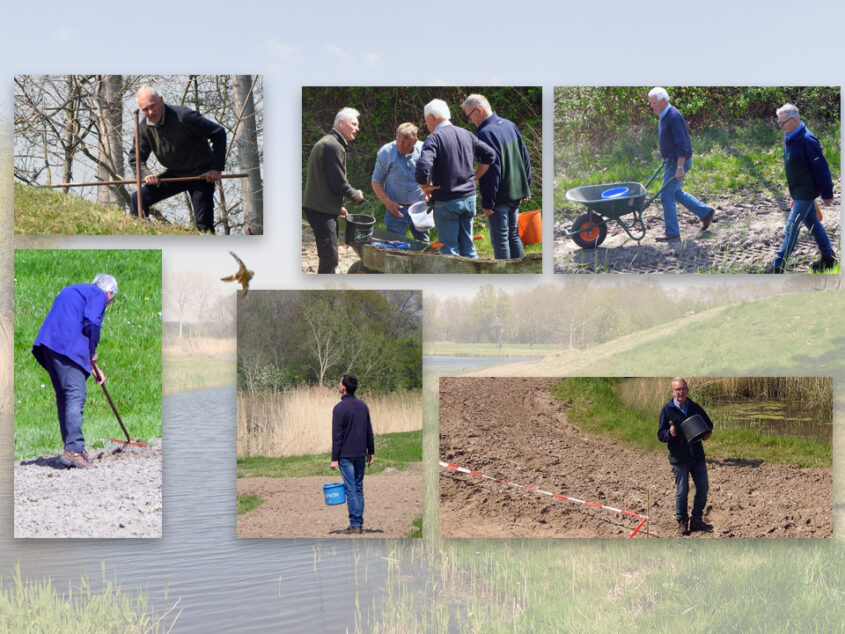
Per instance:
{"type": "Point", "coordinates": [775, 417]}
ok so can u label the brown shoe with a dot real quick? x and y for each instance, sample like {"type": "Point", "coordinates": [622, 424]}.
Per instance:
{"type": "Point", "coordinates": [682, 528]}
{"type": "Point", "coordinates": [77, 459]}
{"type": "Point", "coordinates": [707, 220]}
{"type": "Point", "coordinates": [352, 530]}
{"type": "Point", "coordinates": [697, 524]}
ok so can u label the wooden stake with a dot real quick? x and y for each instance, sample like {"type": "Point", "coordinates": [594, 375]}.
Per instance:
{"type": "Point", "coordinates": [138, 169]}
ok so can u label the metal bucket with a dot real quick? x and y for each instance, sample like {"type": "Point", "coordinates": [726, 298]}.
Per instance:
{"type": "Point", "coordinates": [693, 428]}
{"type": "Point", "coordinates": [359, 229]}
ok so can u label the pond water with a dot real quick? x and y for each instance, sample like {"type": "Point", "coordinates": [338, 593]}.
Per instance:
{"type": "Point", "coordinates": [775, 417]}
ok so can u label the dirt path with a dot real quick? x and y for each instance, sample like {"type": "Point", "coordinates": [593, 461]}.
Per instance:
{"type": "Point", "coordinates": [514, 429]}
{"type": "Point", "coordinates": [743, 238]}
{"type": "Point", "coordinates": [119, 497]}
{"type": "Point", "coordinates": [310, 261]}
{"type": "Point", "coordinates": [295, 507]}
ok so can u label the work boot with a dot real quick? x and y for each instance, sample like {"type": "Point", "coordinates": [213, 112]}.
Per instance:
{"type": "Point", "coordinates": [668, 238]}
{"type": "Point", "coordinates": [352, 530]}
{"type": "Point", "coordinates": [697, 524]}
{"type": "Point", "coordinates": [705, 222]}
{"type": "Point", "coordinates": [682, 528]}
{"type": "Point", "coordinates": [825, 263]}
{"type": "Point", "coordinates": [77, 459]}
{"type": "Point", "coordinates": [772, 269]}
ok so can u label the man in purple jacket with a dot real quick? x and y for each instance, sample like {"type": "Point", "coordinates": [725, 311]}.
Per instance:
{"type": "Point", "coordinates": [66, 347]}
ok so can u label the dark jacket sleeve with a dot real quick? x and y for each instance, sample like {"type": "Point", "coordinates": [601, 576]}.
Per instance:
{"type": "Point", "coordinates": [371, 445]}
{"type": "Point", "coordinates": [425, 163]}
{"type": "Point", "coordinates": [488, 186]}
{"type": "Point", "coordinates": [145, 150]}
{"type": "Point", "coordinates": [92, 319]}
{"type": "Point", "coordinates": [680, 137]}
{"type": "Point", "coordinates": [335, 171]}
{"type": "Point", "coordinates": [337, 432]}
{"type": "Point", "coordinates": [214, 132]}
{"type": "Point", "coordinates": [821, 170]}
{"type": "Point", "coordinates": [484, 154]}
{"type": "Point", "coordinates": [663, 427]}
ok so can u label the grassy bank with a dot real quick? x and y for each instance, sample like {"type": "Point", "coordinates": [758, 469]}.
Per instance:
{"type": "Point", "coordinates": [298, 422]}
{"type": "Point", "coordinates": [183, 374]}
{"type": "Point", "coordinates": [47, 212]}
{"type": "Point", "coordinates": [595, 406]}
{"type": "Point", "coordinates": [129, 350]}
{"type": "Point", "coordinates": [448, 349]}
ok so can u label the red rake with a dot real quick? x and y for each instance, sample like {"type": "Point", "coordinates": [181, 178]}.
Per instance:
{"type": "Point", "coordinates": [128, 440]}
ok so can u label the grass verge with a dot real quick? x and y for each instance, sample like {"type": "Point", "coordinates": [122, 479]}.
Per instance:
{"type": "Point", "coordinates": [247, 503]}
{"type": "Point", "coordinates": [486, 349]}
{"type": "Point", "coordinates": [183, 374]}
{"type": "Point", "coordinates": [418, 530]}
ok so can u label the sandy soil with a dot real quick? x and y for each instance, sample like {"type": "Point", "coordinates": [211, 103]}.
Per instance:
{"type": "Point", "coordinates": [514, 429]}
{"type": "Point", "coordinates": [743, 238]}
{"type": "Point", "coordinates": [295, 507]}
{"type": "Point", "coordinates": [119, 497]}
{"type": "Point", "coordinates": [310, 261]}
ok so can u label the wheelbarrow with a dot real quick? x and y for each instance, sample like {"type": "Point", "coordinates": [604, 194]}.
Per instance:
{"type": "Point", "coordinates": [610, 202]}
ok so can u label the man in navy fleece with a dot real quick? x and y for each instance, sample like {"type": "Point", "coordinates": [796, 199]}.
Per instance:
{"type": "Point", "coordinates": [446, 175]}
{"type": "Point", "coordinates": [676, 150]}
{"type": "Point", "coordinates": [508, 181]}
{"type": "Point", "coordinates": [808, 176]}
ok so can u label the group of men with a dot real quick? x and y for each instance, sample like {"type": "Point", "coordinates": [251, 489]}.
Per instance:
{"type": "Point", "coordinates": [807, 176]}
{"type": "Point", "coordinates": [442, 170]}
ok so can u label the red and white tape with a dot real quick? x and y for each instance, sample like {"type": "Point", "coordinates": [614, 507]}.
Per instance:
{"type": "Point", "coordinates": [644, 518]}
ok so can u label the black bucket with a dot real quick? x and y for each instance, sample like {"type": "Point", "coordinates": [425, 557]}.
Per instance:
{"type": "Point", "coordinates": [694, 428]}
{"type": "Point", "coordinates": [359, 229]}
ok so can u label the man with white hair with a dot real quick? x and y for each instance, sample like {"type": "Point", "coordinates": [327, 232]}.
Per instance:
{"type": "Point", "coordinates": [808, 176]}
{"type": "Point", "coordinates": [179, 137]}
{"type": "Point", "coordinates": [446, 175]}
{"type": "Point", "coordinates": [508, 181]}
{"type": "Point", "coordinates": [66, 346]}
{"type": "Point", "coordinates": [326, 185]}
{"type": "Point", "coordinates": [676, 150]}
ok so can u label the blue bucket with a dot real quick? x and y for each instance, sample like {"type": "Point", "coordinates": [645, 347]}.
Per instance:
{"type": "Point", "coordinates": [616, 192]}
{"type": "Point", "coordinates": [334, 493]}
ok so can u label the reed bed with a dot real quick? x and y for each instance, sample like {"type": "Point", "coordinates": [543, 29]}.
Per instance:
{"type": "Point", "coordinates": [199, 346]}
{"type": "Point", "coordinates": [299, 421]}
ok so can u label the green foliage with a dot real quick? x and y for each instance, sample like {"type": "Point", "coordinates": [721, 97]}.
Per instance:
{"type": "Point", "coordinates": [418, 528]}
{"type": "Point", "coordinates": [247, 503]}
{"type": "Point", "coordinates": [129, 350]}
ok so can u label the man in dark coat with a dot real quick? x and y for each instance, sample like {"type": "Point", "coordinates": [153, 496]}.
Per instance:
{"type": "Point", "coordinates": [179, 137]}
{"type": "Point", "coordinates": [687, 459]}
{"type": "Point", "coordinates": [66, 347]}
{"type": "Point", "coordinates": [353, 448]}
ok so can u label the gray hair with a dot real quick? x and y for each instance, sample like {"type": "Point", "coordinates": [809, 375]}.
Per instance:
{"type": "Point", "coordinates": [345, 113]}
{"type": "Point", "coordinates": [438, 109]}
{"type": "Point", "coordinates": [476, 101]}
{"type": "Point", "coordinates": [790, 110]}
{"type": "Point", "coordinates": [680, 379]}
{"type": "Point", "coordinates": [659, 92]}
{"type": "Point", "coordinates": [144, 89]}
{"type": "Point", "coordinates": [106, 283]}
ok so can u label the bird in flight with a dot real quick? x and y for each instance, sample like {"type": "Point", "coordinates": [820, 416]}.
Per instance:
{"type": "Point", "coordinates": [243, 275]}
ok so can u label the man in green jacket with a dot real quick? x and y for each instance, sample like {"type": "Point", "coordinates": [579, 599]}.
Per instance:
{"type": "Point", "coordinates": [326, 185]}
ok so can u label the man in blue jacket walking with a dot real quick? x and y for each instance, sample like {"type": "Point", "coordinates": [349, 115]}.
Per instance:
{"type": "Point", "coordinates": [353, 448]}
{"type": "Point", "coordinates": [808, 176]}
{"type": "Point", "coordinates": [66, 346]}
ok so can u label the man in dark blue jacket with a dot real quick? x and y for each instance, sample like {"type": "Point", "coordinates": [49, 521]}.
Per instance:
{"type": "Point", "coordinates": [686, 459]}
{"type": "Point", "coordinates": [676, 150]}
{"type": "Point", "coordinates": [66, 347]}
{"type": "Point", "coordinates": [353, 448]}
{"type": "Point", "coordinates": [808, 176]}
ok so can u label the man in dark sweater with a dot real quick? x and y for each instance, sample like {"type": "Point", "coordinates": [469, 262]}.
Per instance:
{"type": "Point", "coordinates": [353, 448]}
{"type": "Point", "coordinates": [676, 150]}
{"type": "Point", "coordinates": [326, 185]}
{"type": "Point", "coordinates": [445, 173]}
{"type": "Point", "coordinates": [686, 459]}
{"type": "Point", "coordinates": [508, 181]}
{"type": "Point", "coordinates": [808, 176]}
{"type": "Point", "coordinates": [179, 137]}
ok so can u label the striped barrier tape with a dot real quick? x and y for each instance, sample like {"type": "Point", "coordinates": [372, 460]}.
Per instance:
{"type": "Point", "coordinates": [644, 518]}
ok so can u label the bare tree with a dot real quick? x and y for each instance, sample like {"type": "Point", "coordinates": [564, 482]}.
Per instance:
{"type": "Point", "coordinates": [110, 124]}
{"type": "Point", "coordinates": [246, 141]}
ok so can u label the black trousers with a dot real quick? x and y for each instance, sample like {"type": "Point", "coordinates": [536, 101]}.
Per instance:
{"type": "Point", "coordinates": [325, 234]}
{"type": "Point", "coordinates": [202, 199]}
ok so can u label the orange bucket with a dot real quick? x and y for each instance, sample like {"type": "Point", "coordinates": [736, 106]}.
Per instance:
{"type": "Point", "coordinates": [530, 227]}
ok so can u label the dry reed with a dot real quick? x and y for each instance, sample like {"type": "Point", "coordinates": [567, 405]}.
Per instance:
{"type": "Point", "coordinates": [199, 346]}
{"type": "Point", "coordinates": [299, 421]}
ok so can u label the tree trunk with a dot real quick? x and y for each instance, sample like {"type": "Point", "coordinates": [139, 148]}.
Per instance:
{"type": "Point", "coordinates": [246, 140]}
{"type": "Point", "coordinates": [110, 107]}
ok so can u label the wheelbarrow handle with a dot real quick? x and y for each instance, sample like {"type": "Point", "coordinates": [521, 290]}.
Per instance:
{"type": "Point", "coordinates": [659, 191]}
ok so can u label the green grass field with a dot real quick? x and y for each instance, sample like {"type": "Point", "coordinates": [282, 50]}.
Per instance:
{"type": "Point", "coordinates": [447, 349]}
{"type": "Point", "coordinates": [47, 212]}
{"type": "Point", "coordinates": [395, 450]}
{"type": "Point", "coordinates": [184, 374]}
{"type": "Point", "coordinates": [129, 350]}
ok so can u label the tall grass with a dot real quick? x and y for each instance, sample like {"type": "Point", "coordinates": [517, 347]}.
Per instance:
{"type": "Point", "coordinates": [299, 421]}
{"type": "Point", "coordinates": [197, 363]}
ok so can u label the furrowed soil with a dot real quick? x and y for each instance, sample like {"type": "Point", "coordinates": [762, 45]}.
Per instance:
{"type": "Point", "coordinates": [120, 496]}
{"type": "Point", "coordinates": [515, 430]}
{"type": "Point", "coordinates": [295, 507]}
{"type": "Point", "coordinates": [743, 238]}
{"type": "Point", "coordinates": [346, 254]}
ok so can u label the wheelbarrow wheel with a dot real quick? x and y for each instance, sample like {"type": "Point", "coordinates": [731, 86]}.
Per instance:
{"type": "Point", "coordinates": [357, 267]}
{"type": "Point", "coordinates": [588, 231]}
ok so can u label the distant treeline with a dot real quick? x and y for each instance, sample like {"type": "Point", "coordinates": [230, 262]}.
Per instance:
{"type": "Point", "coordinates": [594, 113]}
{"type": "Point", "coordinates": [384, 108]}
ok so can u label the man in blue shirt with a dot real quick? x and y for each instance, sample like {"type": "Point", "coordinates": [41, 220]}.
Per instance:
{"type": "Point", "coordinates": [353, 448]}
{"type": "Point", "coordinates": [66, 347]}
{"type": "Point", "coordinates": [676, 150]}
{"type": "Point", "coordinates": [808, 176]}
{"type": "Point", "coordinates": [394, 182]}
{"type": "Point", "coordinates": [445, 173]}
{"type": "Point", "coordinates": [686, 459]}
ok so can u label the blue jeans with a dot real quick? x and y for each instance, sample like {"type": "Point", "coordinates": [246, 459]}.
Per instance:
{"type": "Point", "coordinates": [69, 384]}
{"type": "Point", "coordinates": [352, 470]}
{"type": "Point", "coordinates": [400, 225]}
{"type": "Point", "coordinates": [504, 231]}
{"type": "Point", "coordinates": [453, 221]}
{"type": "Point", "coordinates": [803, 212]}
{"type": "Point", "coordinates": [698, 471]}
{"type": "Point", "coordinates": [674, 194]}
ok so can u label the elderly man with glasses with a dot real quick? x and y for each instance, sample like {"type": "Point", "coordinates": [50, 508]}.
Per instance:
{"type": "Point", "coordinates": [687, 459]}
{"type": "Point", "coordinates": [807, 176]}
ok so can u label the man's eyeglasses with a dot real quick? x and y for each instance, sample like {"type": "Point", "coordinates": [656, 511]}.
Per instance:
{"type": "Point", "coordinates": [680, 389]}
{"type": "Point", "coordinates": [784, 122]}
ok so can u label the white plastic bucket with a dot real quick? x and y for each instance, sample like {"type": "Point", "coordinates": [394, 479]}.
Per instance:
{"type": "Point", "coordinates": [423, 221]}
